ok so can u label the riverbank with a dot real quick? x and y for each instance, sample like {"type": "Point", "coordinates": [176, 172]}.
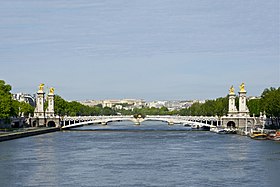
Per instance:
{"type": "Point", "coordinates": [27, 132]}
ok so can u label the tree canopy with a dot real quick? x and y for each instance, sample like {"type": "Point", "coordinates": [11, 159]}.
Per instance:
{"type": "Point", "coordinates": [270, 102]}
{"type": "Point", "coordinates": [216, 107]}
{"type": "Point", "coordinates": [10, 107]}
{"type": "Point", "coordinates": [75, 108]}
{"type": "Point", "coordinates": [6, 109]}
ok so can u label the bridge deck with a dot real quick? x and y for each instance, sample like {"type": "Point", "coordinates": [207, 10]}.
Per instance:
{"type": "Point", "coordinates": [86, 120]}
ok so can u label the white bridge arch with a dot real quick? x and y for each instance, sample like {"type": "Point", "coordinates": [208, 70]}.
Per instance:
{"type": "Point", "coordinates": [68, 122]}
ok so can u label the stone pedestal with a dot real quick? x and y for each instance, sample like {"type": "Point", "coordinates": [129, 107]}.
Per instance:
{"type": "Point", "coordinates": [232, 110]}
{"type": "Point", "coordinates": [39, 110]}
{"type": "Point", "coordinates": [243, 109]}
{"type": "Point", "coordinates": [50, 109]}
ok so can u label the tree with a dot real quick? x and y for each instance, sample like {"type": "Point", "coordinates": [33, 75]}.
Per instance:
{"type": "Point", "coordinates": [270, 102]}
{"type": "Point", "coordinates": [21, 109]}
{"type": "Point", "coordinates": [60, 105]}
{"type": "Point", "coordinates": [215, 107]}
{"type": "Point", "coordinates": [5, 100]}
{"type": "Point", "coordinates": [196, 109]}
{"type": "Point", "coordinates": [106, 111]}
{"type": "Point", "coordinates": [25, 109]}
{"type": "Point", "coordinates": [254, 107]}
{"type": "Point", "coordinates": [10, 107]}
{"type": "Point", "coordinates": [221, 106]}
{"type": "Point", "coordinates": [75, 108]}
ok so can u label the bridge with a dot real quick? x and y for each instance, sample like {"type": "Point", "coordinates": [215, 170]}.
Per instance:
{"type": "Point", "coordinates": [234, 119]}
{"type": "Point", "coordinates": [68, 122]}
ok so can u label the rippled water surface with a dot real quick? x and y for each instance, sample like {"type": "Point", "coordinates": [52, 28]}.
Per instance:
{"type": "Point", "coordinates": [153, 154]}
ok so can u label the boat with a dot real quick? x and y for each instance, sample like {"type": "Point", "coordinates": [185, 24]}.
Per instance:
{"type": "Point", "coordinates": [276, 139]}
{"type": "Point", "coordinates": [214, 129]}
{"type": "Point", "coordinates": [197, 127]}
{"type": "Point", "coordinates": [218, 130]}
{"type": "Point", "coordinates": [258, 136]}
{"type": "Point", "coordinates": [275, 136]}
{"type": "Point", "coordinates": [271, 134]}
{"type": "Point", "coordinates": [231, 130]}
{"type": "Point", "coordinates": [205, 128]}
{"type": "Point", "coordinates": [223, 130]}
{"type": "Point", "coordinates": [187, 125]}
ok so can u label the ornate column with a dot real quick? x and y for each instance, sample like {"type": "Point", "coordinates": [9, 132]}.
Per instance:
{"type": "Point", "coordinates": [232, 110]}
{"type": "Point", "coordinates": [39, 113]}
{"type": "Point", "coordinates": [39, 109]}
{"type": "Point", "coordinates": [50, 109]}
{"type": "Point", "coordinates": [243, 109]}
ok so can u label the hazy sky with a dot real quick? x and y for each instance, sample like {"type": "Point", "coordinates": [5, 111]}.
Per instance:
{"type": "Point", "coordinates": [148, 49]}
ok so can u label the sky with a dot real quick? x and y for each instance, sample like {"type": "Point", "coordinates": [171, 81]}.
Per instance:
{"type": "Point", "coordinates": [143, 49]}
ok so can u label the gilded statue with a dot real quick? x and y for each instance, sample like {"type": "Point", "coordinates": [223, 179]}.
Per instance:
{"type": "Point", "coordinates": [242, 87]}
{"type": "Point", "coordinates": [231, 90]}
{"type": "Point", "coordinates": [41, 87]}
{"type": "Point", "coordinates": [51, 90]}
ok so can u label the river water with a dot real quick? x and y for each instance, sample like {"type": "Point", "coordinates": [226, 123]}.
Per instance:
{"type": "Point", "coordinates": [152, 154]}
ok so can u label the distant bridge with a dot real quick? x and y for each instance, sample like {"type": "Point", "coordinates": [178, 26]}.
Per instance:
{"type": "Point", "coordinates": [68, 122]}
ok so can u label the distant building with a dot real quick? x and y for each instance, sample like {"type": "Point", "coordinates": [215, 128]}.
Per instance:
{"type": "Point", "coordinates": [116, 103]}
{"type": "Point", "coordinates": [130, 104]}
{"type": "Point", "coordinates": [171, 105]}
{"type": "Point", "coordinates": [157, 104]}
{"type": "Point", "coordinates": [23, 97]}
{"type": "Point", "coordinates": [178, 105]}
{"type": "Point", "coordinates": [253, 97]}
{"type": "Point", "coordinates": [91, 102]}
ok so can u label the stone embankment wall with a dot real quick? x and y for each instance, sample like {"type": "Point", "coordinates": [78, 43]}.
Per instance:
{"type": "Point", "coordinates": [15, 135]}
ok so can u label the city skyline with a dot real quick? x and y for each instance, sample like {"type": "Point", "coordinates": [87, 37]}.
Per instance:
{"type": "Point", "coordinates": [151, 50]}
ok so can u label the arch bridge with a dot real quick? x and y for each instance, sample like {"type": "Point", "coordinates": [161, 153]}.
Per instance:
{"type": "Point", "coordinates": [68, 122]}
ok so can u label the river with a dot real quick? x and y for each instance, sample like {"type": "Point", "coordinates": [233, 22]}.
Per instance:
{"type": "Point", "coordinates": [152, 154]}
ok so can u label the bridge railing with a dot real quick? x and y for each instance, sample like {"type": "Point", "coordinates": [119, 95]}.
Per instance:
{"type": "Point", "coordinates": [80, 120]}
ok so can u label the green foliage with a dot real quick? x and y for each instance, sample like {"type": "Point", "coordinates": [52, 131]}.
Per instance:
{"type": "Point", "coordinates": [196, 109]}
{"type": "Point", "coordinates": [21, 108]}
{"type": "Point", "coordinates": [147, 111]}
{"type": "Point", "coordinates": [60, 105]}
{"type": "Point", "coordinates": [237, 102]}
{"type": "Point", "coordinates": [10, 107]}
{"type": "Point", "coordinates": [46, 105]}
{"type": "Point", "coordinates": [26, 109]}
{"type": "Point", "coordinates": [254, 107]}
{"type": "Point", "coordinates": [221, 107]}
{"type": "Point", "coordinates": [74, 108]}
{"type": "Point", "coordinates": [270, 102]}
{"type": "Point", "coordinates": [215, 107]}
{"type": "Point", "coordinates": [5, 100]}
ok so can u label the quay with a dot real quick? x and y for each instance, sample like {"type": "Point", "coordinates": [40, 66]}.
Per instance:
{"type": "Point", "coordinates": [27, 132]}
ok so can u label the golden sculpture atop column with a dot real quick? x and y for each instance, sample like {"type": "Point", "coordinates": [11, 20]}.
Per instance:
{"type": "Point", "coordinates": [51, 90]}
{"type": "Point", "coordinates": [242, 87]}
{"type": "Point", "coordinates": [231, 90]}
{"type": "Point", "coordinates": [41, 87]}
